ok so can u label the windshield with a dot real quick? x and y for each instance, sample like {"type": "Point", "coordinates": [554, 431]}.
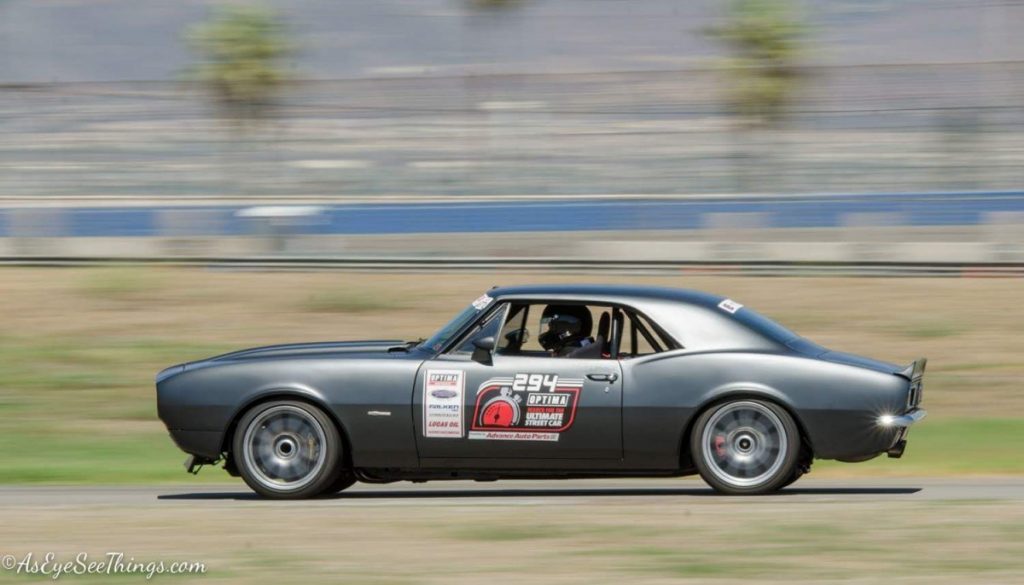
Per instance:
{"type": "Point", "coordinates": [438, 340]}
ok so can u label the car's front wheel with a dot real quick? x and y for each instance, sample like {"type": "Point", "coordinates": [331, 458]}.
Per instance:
{"type": "Point", "coordinates": [746, 446]}
{"type": "Point", "coordinates": [288, 449]}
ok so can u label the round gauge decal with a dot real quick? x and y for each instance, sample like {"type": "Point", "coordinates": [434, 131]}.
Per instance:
{"type": "Point", "coordinates": [500, 411]}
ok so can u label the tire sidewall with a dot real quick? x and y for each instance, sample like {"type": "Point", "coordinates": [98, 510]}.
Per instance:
{"type": "Point", "coordinates": [333, 451]}
{"type": "Point", "coordinates": [343, 481]}
{"type": "Point", "coordinates": [782, 476]}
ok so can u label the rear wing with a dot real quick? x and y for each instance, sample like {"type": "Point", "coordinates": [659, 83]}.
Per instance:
{"type": "Point", "coordinates": [915, 373]}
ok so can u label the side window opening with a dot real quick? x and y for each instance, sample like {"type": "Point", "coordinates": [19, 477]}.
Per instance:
{"type": "Point", "coordinates": [556, 329]}
{"type": "Point", "coordinates": [640, 337]}
{"type": "Point", "coordinates": [539, 329]}
{"type": "Point", "coordinates": [487, 328]}
{"type": "Point", "coordinates": [514, 333]}
{"type": "Point", "coordinates": [657, 336]}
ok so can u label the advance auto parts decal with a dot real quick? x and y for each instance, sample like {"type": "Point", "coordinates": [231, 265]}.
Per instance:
{"type": "Point", "coordinates": [527, 407]}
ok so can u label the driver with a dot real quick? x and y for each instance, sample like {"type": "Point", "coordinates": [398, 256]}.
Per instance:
{"type": "Point", "coordinates": [568, 329]}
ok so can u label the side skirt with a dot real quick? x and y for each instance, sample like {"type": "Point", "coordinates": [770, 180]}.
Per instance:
{"type": "Point", "coordinates": [387, 475]}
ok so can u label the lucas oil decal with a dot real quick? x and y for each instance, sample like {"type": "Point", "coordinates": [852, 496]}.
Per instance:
{"type": "Point", "coordinates": [526, 407]}
{"type": "Point", "coordinates": [442, 403]}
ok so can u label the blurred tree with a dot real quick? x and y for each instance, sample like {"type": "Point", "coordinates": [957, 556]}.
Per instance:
{"type": "Point", "coordinates": [242, 48]}
{"type": "Point", "coordinates": [766, 40]}
{"type": "Point", "coordinates": [241, 51]}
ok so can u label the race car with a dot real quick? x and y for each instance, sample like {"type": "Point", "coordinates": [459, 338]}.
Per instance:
{"type": "Point", "coordinates": [545, 382]}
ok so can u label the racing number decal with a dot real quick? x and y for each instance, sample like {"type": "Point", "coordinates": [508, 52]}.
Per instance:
{"type": "Point", "coordinates": [527, 407]}
{"type": "Point", "coordinates": [534, 382]}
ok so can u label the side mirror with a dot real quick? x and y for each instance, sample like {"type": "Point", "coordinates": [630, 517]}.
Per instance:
{"type": "Point", "coordinates": [482, 349]}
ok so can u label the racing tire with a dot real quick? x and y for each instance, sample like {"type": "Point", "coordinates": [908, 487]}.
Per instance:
{"type": "Point", "coordinates": [746, 447]}
{"type": "Point", "coordinates": [341, 483]}
{"type": "Point", "coordinates": [288, 450]}
{"type": "Point", "coordinates": [791, 480]}
{"type": "Point", "coordinates": [803, 467]}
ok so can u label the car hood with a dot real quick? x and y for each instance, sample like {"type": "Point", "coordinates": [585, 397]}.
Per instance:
{"type": "Point", "coordinates": [336, 349]}
{"type": "Point", "coordinates": [318, 349]}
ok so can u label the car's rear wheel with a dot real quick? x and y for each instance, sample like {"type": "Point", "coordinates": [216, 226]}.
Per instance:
{"type": "Point", "coordinates": [288, 449]}
{"type": "Point", "coordinates": [802, 468]}
{"type": "Point", "coordinates": [344, 481]}
{"type": "Point", "coordinates": [746, 447]}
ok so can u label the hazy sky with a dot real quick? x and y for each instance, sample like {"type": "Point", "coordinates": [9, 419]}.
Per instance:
{"type": "Point", "coordinates": [107, 40]}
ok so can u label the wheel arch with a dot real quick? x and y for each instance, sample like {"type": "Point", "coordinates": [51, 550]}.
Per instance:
{"type": "Point", "coordinates": [754, 392]}
{"type": "Point", "coordinates": [298, 394]}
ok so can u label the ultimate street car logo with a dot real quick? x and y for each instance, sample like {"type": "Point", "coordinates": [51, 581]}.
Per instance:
{"type": "Point", "coordinates": [527, 407]}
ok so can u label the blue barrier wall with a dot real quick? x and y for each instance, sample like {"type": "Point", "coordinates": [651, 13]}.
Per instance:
{"type": "Point", "coordinates": [821, 211]}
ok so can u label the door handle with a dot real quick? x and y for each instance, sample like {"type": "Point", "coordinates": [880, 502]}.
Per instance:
{"type": "Point", "coordinates": [603, 377]}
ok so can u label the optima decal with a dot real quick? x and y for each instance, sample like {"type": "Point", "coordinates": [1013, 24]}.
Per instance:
{"type": "Point", "coordinates": [527, 407]}
{"type": "Point", "coordinates": [442, 403]}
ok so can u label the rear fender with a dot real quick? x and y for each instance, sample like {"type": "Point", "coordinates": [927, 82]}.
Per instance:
{"type": "Point", "coordinates": [732, 391]}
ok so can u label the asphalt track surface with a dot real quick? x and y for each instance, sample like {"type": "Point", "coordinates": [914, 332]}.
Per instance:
{"type": "Point", "coordinates": [523, 493]}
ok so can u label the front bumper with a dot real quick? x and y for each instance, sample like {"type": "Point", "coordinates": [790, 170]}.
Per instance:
{"type": "Point", "coordinates": [205, 445]}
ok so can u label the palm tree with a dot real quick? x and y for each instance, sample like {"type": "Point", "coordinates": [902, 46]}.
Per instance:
{"type": "Point", "coordinates": [242, 48]}
{"type": "Point", "coordinates": [765, 39]}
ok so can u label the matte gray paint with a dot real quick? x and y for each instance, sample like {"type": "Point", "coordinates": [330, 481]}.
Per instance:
{"type": "Point", "coordinates": [835, 397]}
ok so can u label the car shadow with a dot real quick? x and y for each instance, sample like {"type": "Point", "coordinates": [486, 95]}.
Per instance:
{"type": "Point", "coordinates": [427, 494]}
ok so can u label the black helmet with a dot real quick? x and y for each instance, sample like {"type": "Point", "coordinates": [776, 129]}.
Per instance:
{"type": "Point", "coordinates": [565, 324]}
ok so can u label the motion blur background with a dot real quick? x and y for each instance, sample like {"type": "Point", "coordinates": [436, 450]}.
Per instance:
{"type": "Point", "coordinates": [459, 144]}
{"type": "Point", "coordinates": [721, 131]}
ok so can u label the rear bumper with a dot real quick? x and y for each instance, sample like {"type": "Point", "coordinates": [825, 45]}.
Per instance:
{"type": "Point", "coordinates": [903, 420]}
{"type": "Point", "coordinates": [902, 423]}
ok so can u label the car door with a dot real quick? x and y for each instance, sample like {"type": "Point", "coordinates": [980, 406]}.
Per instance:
{"type": "Point", "coordinates": [511, 410]}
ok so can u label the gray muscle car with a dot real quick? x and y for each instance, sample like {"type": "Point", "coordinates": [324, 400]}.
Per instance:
{"type": "Point", "coordinates": [545, 382]}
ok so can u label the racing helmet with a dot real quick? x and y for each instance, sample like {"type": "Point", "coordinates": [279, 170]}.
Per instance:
{"type": "Point", "coordinates": [562, 325]}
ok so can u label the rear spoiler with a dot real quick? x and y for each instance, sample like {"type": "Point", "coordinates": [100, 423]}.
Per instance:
{"type": "Point", "coordinates": [915, 371]}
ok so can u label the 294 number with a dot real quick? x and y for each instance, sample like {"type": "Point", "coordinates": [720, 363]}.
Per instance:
{"type": "Point", "coordinates": [534, 382]}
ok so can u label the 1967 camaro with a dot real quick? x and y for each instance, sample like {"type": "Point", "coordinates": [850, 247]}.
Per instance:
{"type": "Point", "coordinates": [545, 382]}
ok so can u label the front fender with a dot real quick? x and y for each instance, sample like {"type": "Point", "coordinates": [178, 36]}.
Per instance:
{"type": "Point", "coordinates": [207, 401]}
